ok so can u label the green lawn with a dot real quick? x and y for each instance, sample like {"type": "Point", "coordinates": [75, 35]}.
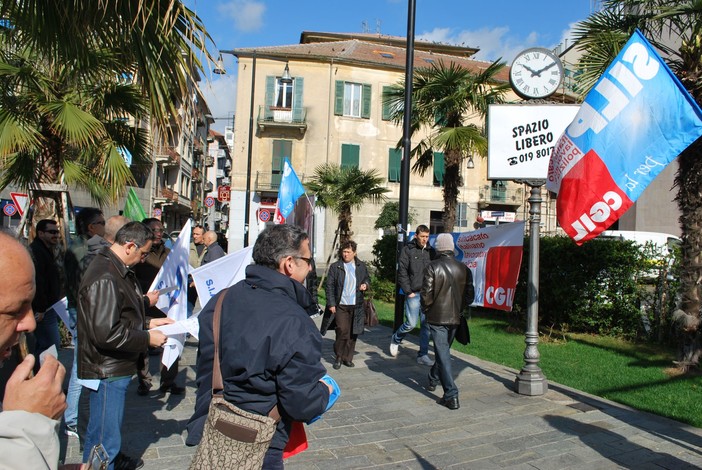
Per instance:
{"type": "Point", "coordinates": [625, 372]}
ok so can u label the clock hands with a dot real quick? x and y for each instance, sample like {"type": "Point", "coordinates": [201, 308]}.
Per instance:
{"type": "Point", "coordinates": [534, 73]}
{"type": "Point", "coordinates": [537, 73]}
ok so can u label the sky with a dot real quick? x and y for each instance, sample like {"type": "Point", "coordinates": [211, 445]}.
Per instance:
{"type": "Point", "coordinates": [500, 28]}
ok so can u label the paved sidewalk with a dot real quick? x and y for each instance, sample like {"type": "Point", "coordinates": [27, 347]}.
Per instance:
{"type": "Point", "coordinates": [386, 418]}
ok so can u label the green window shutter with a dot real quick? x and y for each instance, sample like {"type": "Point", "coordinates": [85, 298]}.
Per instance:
{"type": "Point", "coordinates": [366, 104]}
{"type": "Point", "coordinates": [394, 161]}
{"type": "Point", "coordinates": [350, 155]}
{"type": "Point", "coordinates": [270, 98]}
{"type": "Point", "coordinates": [297, 111]}
{"type": "Point", "coordinates": [386, 116]}
{"type": "Point", "coordinates": [281, 149]}
{"type": "Point", "coordinates": [339, 98]}
{"type": "Point", "coordinates": [438, 169]}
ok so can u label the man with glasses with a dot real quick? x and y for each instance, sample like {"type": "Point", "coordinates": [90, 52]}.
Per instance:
{"type": "Point", "coordinates": [90, 230]}
{"type": "Point", "coordinates": [271, 352]}
{"type": "Point", "coordinates": [49, 289]}
{"type": "Point", "coordinates": [146, 273]}
{"type": "Point", "coordinates": [112, 332]}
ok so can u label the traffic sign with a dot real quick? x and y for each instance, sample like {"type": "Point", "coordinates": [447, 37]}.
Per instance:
{"type": "Point", "coordinates": [264, 215]}
{"type": "Point", "coordinates": [157, 212]}
{"type": "Point", "coordinates": [9, 209]}
{"type": "Point", "coordinates": [223, 193]}
{"type": "Point", "coordinates": [20, 200]}
{"type": "Point", "coordinates": [209, 201]}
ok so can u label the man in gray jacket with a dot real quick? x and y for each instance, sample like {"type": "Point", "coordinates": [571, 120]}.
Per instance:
{"type": "Point", "coordinates": [446, 291]}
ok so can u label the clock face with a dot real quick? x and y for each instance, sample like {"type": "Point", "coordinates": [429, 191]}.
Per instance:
{"type": "Point", "coordinates": [536, 73]}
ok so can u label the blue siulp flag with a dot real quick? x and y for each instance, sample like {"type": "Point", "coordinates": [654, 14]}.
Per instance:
{"type": "Point", "coordinates": [633, 123]}
{"type": "Point", "coordinates": [290, 190]}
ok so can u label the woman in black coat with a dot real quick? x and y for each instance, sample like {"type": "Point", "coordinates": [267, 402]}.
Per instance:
{"type": "Point", "coordinates": [347, 281]}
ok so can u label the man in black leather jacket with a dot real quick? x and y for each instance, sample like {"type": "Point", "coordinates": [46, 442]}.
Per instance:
{"type": "Point", "coordinates": [446, 291]}
{"type": "Point", "coordinates": [111, 332]}
{"type": "Point", "coordinates": [271, 352]}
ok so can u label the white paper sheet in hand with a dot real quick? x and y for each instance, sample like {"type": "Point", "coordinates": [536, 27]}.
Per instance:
{"type": "Point", "coordinates": [189, 325]}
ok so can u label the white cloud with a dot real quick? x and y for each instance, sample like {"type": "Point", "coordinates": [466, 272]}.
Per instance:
{"type": "Point", "coordinates": [492, 42]}
{"type": "Point", "coordinates": [220, 95]}
{"type": "Point", "coordinates": [246, 14]}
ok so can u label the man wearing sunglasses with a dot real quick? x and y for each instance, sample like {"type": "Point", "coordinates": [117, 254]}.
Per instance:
{"type": "Point", "coordinates": [49, 289]}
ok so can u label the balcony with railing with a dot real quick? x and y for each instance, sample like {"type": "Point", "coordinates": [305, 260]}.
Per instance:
{"type": "Point", "coordinates": [272, 116]}
{"type": "Point", "coordinates": [490, 195]}
{"type": "Point", "coordinates": [166, 156]}
{"type": "Point", "coordinates": [268, 182]}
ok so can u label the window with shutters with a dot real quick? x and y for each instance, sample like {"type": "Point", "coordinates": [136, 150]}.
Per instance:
{"type": "Point", "coordinates": [386, 114]}
{"type": "Point", "coordinates": [394, 161]}
{"type": "Point", "coordinates": [350, 155]}
{"type": "Point", "coordinates": [281, 149]}
{"type": "Point", "coordinates": [352, 99]}
{"type": "Point", "coordinates": [438, 169]}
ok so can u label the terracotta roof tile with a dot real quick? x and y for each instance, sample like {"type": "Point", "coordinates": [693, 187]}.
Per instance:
{"type": "Point", "coordinates": [358, 52]}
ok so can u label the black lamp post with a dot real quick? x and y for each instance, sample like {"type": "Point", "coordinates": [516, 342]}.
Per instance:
{"type": "Point", "coordinates": [286, 78]}
{"type": "Point", "coordinates": [406, 147]}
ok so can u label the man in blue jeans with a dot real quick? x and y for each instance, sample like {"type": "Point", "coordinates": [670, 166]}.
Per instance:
{"type": "Point", "coordinates": [415, 257]}
{"type": "Point", "coordinates": [447, 289]}
{"type": "Point", "coordinates": [112, 332]}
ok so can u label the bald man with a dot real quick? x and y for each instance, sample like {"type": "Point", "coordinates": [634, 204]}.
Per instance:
{"type": "Point", "coordinates": [214, 251]}
{"type": "Point", "coordinates": [31, 407]}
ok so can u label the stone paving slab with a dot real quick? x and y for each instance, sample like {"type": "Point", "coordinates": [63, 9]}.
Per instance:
{"type": "Point", "coordinates": [386, 419]}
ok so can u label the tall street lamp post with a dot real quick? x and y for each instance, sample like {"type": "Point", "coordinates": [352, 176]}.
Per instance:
{"type": "Point", "coordinates": [405, 167]}
{"type": "Point", "coordinates": [219, 69]}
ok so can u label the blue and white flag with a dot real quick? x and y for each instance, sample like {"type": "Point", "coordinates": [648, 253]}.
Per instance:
{"type": "Point", "coordinates": [174, 273]}
{"type": "Point", "coordinates": [212, 277]}
{"type": "Point", "coordinates": [633, 123]}
{"type": "Point", "coordinates": [290, 190]}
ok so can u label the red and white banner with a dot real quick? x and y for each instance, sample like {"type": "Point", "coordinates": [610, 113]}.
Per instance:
{"type": "Point", "coordinates": [494, 256]}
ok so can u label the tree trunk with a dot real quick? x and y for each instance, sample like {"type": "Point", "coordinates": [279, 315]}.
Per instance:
{"type": "Point", "coordinates": [689, 200]}
{"type": "Point", "coordinates": [345, 232]}
{"type": "Point", "coordinates": [452, 180]}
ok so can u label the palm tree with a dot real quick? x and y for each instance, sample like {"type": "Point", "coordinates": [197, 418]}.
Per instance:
{"type": "Point", "coordinates": [445, 98]}
{"type": "Point", "coordinates": [65, 124]}
{"type": "Point", "coordinates": [81, 80]}
{"type": "Point", "coordinates": [344, 189]}
{"type": "Point", "coordinates": [601, 37]}
{"type": "Point", "coordinates": [159, 43]}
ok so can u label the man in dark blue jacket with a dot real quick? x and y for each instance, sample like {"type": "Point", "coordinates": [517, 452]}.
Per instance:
{"type": "Point", "coordinates": [271, 352]}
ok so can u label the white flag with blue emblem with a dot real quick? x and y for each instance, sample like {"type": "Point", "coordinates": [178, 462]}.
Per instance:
{"type": "Point", "coordinates": [174, 273]}
{"type": "Point", "coordinates": [290, 190]}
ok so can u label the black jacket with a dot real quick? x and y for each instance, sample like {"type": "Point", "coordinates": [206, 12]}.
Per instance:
{"type": "Point", "coordinates": [271, 353]}
{"type": "Point", "coordinates": [447, 290]}
{"type": "Point", "coordinates": [334, 288]}
{"type": "Point", "coordinates": [146, 273]}
{"type": "Point", "coordinates": [111, 319]}
{"type": "Point", "coordinates": [48, 279]}
{"type": "Point", "coordinates": [413, 260]}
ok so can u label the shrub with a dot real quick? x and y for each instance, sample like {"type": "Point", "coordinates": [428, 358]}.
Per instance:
{"type": "Point", "coordinates": [593, 288]}
{"type": "Point", "coordinates": [385, 261]}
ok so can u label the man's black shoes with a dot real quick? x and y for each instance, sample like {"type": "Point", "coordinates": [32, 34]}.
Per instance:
{"type": "Point", "coordinates": [143, 389]}
{"type": "Point", "coordinates": [337, 364]}
{"type": "Point", "coordinates": [125, 462]}
{"type": "Point", "coordinates": [348, 363]}
{"type": "Point", "coordinates": [432, 386]}
{"type": "Point", "coordinates": [174, 389]}
{"type": "Point", "coordinates": [450, 403]}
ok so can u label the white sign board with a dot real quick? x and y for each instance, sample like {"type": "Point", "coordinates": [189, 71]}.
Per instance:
{"type": "Point", "coordinates": [521, 138]}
